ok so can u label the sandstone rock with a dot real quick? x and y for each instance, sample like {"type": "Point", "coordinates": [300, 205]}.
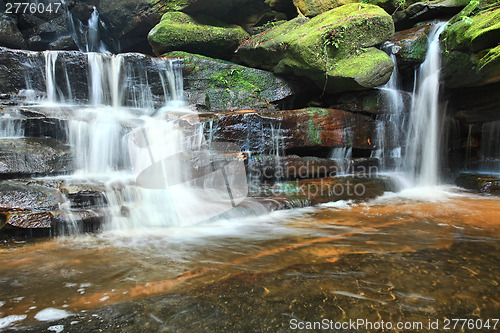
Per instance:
{"type": "Point", "coordinates": [272, 168]}
{"type": "Point", "coordinates": [308, 192]}
{"type": "Point", "coordinates": [304, 129]}
{"type": "Point", "coordinates": [34, 156]}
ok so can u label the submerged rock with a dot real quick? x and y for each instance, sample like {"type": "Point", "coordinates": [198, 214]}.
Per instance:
{"type": "Point", "coordinates": [471, 46]}
{"type": "Point", "coordinates": [334, 49]}
{"type": "Point", "coordinates": [216, 85]}
{"type": "Point", "coordinates": [202, 35]}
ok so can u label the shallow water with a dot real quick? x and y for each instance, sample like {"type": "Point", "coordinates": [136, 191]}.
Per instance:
{"type": "Point", "coordinates": [432, 253]}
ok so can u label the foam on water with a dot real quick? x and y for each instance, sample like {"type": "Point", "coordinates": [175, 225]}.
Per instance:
{"type": "Point", "coordinates": [51, 314]}
{"type": "Point", "coordinates": [9, 320]}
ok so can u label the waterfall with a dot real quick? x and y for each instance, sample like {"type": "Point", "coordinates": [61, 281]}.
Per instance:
{"type": "Point", "coordinates": [342, 155]}
{"type": "Point", "coordinates": [421, 161]}
{"type": "Point", "coordinates": [490, 147]}
{"type": "Point", "coordinates": [88, 37]}
{"type": "Point", "coordinates": [131, 132]}
{"type": "Point", "coordinates": [50, 75]}
{"type": "Point", "coordinates": [390, 123]}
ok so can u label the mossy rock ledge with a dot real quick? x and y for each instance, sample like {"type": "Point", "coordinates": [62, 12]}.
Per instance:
{"type": "Point", "coordinates": [335, 49]}
{"type": "Point", "coordinates": [178, 31]}
{"type": "Point", "coordinates": [471, 46]}
{"type": "Point", "coordinates": [218, 85]}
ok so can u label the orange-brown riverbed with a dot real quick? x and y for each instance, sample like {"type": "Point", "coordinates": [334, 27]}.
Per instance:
{"type": "Point", "coordinates": [429, 254]}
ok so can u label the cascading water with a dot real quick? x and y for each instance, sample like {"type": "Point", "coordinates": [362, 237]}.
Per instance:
{"type": "Point", "coordinates": [131, 140]}
{"type": "Point", "coordinates": [490, 147]}
{"type": "Point", "coordinates": [421, 161]}
{"type": "Point", "coordinates": [423, 141]}
{"type": "Point", "coordinates": [88, 37]}
{"type": "Point", "coordinates": [342, 155]}
{"type": "Point", "coordinates": [389, 125]}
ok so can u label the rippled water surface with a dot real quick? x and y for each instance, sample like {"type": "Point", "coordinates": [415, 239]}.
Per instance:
{"type": "Point", "coordinates": [418, 255]}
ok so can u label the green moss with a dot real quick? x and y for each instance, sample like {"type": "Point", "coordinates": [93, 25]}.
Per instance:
{"type": "Point", "coordinates": [207, 36]}
{"type": "Point", "coordinates": [475, 33]}
{"type": "Point", "coordinates": [311, 47]}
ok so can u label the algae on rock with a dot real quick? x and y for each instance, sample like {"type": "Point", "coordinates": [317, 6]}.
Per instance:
{"type": "Point", "coordinates": [202, 35]}
{"type": "Point", "coordinates": [335, 49]}
{"type": "Point", "coordinates": [471, 52]}
{"type": "Point", "coordinates": [217, 85]}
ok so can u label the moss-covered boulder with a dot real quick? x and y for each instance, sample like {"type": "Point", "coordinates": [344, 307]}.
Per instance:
{"type": "Point", "coordinates": [335, 49]}
{"type": "Point", "coordinates": [471, 46]}
{"type": "Point", "coordinates": [312, 8]}
{"type": "Point", "coordinates": [202, 35]}
{"type": "Point", "coordinates": [217, 85]}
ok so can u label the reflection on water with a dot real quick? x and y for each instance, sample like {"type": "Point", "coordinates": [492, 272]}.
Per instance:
{"type": "Point", "coordinates": [397, 258]}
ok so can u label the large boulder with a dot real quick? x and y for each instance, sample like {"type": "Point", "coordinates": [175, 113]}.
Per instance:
{"type": "Point", "coordinates": [312, 8]}
{"type": "Point", "coordinates": [471, 46]}
{"type": "Point", "coordinates": [217, 85]}
{"type": "Point", "coordinates": [335, 49]}
{"type": "Point", "coordinates": [202, 35]}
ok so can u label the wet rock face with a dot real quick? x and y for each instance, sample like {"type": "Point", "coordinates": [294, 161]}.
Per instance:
{"type": "Point", "coordinates": [372, 101]}
{"type": "Point", "coordinates": [306, 128]}
{"type": "Point", "coordinates": [22, 70]}
{"type": "Point", "coordinates": [410, 46]}
{"type": "Point", "coordinates": [39, 204]}
{"type": "Point", "coordinates": [216, 85]}
{"type": "Point", "coordinates": [34, 156]}
{"type": "Point", "coordinates": [334, 49]}
{"type": "Point", "coordinates": [22, 195]}
{"type": "Point", "coordinates": [475, 104]}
